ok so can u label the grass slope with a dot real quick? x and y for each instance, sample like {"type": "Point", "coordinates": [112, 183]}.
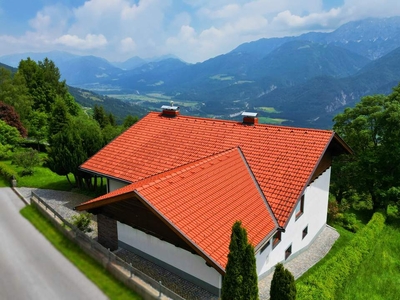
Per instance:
{"type": "Point", "coordinates": [378, 277]}
{"type": "Point", "coordinates": [95, 272]}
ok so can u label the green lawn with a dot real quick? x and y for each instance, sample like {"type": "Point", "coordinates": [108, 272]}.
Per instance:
{"type": "Point", "coordinates": [342, 241]}
{"type": "Point", "coordinates": [378, 277]}
{"type": "Point", "coordinates": [88, 266]}
{"type": "Point", "coordinates": [42, 178]}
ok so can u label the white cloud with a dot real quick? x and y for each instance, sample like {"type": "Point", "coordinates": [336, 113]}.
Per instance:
{"type": "Point", "coordinates": [127, 45]}
{"type": "Point", "coordinates": [194, 30]}
{"type": "Point", "coordinates": [89, 42]}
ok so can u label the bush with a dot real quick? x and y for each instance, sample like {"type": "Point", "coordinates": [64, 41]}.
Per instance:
{"type": "Point", "coordinates": [328, 279]}
{"type": "Point", "coordinates": [82, 221]}
{"type": "Point", "coordinates": [5, 151]}
{"type": "Point", "coordinates": [7, 172]}
{"type": "Point", "coordinates": [27, 159]}
{"type": "Point", "coordinates": [348, 221]}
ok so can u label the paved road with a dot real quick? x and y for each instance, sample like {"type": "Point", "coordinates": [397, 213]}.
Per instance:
{"type": "Point", "coordinates": [30, 267]}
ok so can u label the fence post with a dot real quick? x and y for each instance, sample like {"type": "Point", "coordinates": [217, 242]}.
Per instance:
{"type": "Point", "coordinates": [130, 269]}
{"type": "Point", "coordinates": [159, 295]}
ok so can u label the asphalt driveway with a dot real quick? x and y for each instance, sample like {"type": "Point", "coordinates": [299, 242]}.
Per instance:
{"type": "Point", "coordinates": [30, 267]}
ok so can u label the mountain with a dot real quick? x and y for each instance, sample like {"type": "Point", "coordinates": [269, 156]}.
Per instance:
{"type": "Point", "coordinates": [7, 67]}
{"type": "Point", "coordinates": [58, 57]}
{"type": "Point", "coordinates": [298, 61]}
{"type": "Point", "coordinates": [118, 108]}
{"type": "Point", "coordinates": [371, 38]}
{"type": "Point", "coordinates": [317, 101]}
{"type": "Point", "coordinates": [300, 80]}
{"type": "Point", "coordinates": [130, 63]}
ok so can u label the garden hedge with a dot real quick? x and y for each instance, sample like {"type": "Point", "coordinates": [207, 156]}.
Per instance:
{"type": "Point", "coordinates": [324, 283]}
{"type": "Point", "coordinates": [7, 172]}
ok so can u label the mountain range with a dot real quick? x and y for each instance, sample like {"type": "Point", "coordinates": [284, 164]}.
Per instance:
{"type": "Point", "coordinates": [303, 80]}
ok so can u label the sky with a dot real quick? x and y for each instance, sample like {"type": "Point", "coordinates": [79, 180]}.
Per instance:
{"type": "Point", "coordinates": [193, 30]}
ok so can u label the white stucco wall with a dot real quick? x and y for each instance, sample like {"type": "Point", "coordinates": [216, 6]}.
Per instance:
{"type": "Point", "coordinates": [181, 259]}
{"type": "Point", "coordinates": [114, 184]}
{"type": "Point", "coordinates": [314, 216]}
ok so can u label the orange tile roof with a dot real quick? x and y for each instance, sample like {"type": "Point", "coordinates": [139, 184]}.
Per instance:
{"type": "Point", "coordinates": [184, 196]}
{"type": "Point", "coordinates": [282, 159]}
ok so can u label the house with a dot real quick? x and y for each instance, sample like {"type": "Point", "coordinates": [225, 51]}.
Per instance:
{"type": "Point", "coordinates": [176, 185]}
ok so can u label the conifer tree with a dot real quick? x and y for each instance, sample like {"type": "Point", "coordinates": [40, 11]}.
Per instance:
{"type": "Point", "coordinates": [240, 281]}
{"type": "Point", "coordinates": [283, 286]}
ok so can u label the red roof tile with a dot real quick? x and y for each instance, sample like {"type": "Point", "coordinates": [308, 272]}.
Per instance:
{"type": "Point", "coordinates": [189, 197]}
{"type": "Point", "coordinates": [282, 159]}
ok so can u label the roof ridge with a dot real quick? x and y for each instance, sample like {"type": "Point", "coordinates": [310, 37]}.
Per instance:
{"type": "Point", "coordinates": [239, 122]}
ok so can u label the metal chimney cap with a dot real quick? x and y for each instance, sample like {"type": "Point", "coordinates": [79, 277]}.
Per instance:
{"type": "Point", "coordinates": [168, 107]}
{"type": "Point", "coordinates": [249, 114]}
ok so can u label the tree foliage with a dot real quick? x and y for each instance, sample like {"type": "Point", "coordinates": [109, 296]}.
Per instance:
{"type": "Point", "coordinates": [283, 286]}
{"type": "Point", "coordinates": [240, 280]}
{"type": "Point", "coordinates": [372, 130]}
{"type": "Point", "coordinates": [14, 92]}
{"type": "Point", "coordinates": [9, 135]}
{"type": "Point", "coordinates": [11, 117]}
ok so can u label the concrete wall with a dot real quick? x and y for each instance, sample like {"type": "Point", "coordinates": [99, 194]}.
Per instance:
{"type": "Point", "coordinates": [185, 264]}
{"type": "Point", "coordinates": [314, 217]}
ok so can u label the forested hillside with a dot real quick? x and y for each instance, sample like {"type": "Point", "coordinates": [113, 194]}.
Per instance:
{"type": "Point", "coordinates": [35, 105]}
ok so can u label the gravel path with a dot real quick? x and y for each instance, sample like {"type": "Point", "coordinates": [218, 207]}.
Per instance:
{"type": "Point", "coordinates": [304, 261]}
{"type": "Point", "coordinates": [64, 202]}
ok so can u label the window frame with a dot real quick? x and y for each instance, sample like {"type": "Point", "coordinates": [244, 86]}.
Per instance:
{"type": "Point", "coordinates": [300, 207]}
{"type": "Point", "coordinates": [288, 252]}
{"type": "Point", "coordinates": [265, 247]}
{"type": "Point", "coordinates": [276, 239]}
{"type": "Point", "coordinates": [304, 232]}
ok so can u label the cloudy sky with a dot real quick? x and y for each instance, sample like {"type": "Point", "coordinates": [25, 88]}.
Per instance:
{"type": "Point", "coordinates": [193, 30]}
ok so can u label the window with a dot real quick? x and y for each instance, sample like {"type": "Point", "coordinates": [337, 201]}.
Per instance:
{"type": "Point", "coordinates": [265, 247]}
{"type": "Point", "coordinates": [305, 231]}
{"type": "Point", "coordinates": [276, 239]}
{"type": "Point", "coordinates": [299, 207]}
{"type": "Point", "coordinates": [288, 252]}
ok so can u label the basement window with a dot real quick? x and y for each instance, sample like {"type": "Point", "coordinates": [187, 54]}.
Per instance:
{"type": "Point", "coordinates": [305, 232]}
{"type": "Point", "coordinates": [299, 208]}
{"type": "Point", "coordinates": [276, 239]}
{"type": "Point", "coordinates": [288, 252]}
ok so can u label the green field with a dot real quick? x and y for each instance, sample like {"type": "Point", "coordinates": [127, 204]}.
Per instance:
{"type": "Point", "coordinates": [155, 98]}
{"type": "Point", "coordinates": [266, 109]}
{"type": "Point", "coordinates": [268, 120]}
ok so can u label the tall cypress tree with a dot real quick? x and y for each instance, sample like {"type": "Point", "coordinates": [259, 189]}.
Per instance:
{"type": "Point", "coordinates": [250, 278]}
{"type": "Point", "coordinates": [283, 286]}
{"type": "Point", "coordinates": [240, 280]}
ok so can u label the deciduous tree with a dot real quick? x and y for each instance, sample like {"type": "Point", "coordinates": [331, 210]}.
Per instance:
{"type": "Point", "coordinates": [372, 130]}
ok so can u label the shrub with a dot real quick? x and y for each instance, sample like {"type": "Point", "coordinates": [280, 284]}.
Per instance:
{"type": "Point", "coordinates": [27, 159]}
{"type": "Point", "coordinates": [82, 221]}
{"type": "Point", "coordinates": [5, 151]}
{"type": "Point", "coordinates": [348, 221]}
{"type": "Point", "coordinates": [7, 172]}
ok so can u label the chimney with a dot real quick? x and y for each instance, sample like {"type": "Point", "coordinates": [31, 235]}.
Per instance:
{"type": "Point", "coordinates": [250, 118]}
{"type": "Point", "coordinates": [170, 111]}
